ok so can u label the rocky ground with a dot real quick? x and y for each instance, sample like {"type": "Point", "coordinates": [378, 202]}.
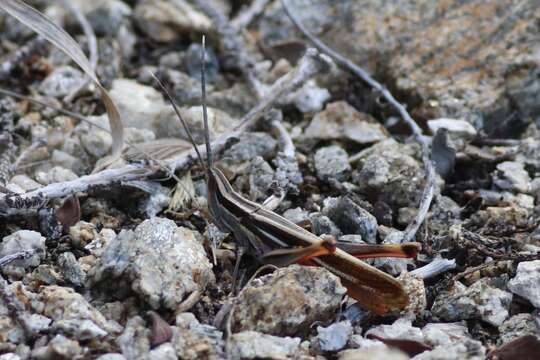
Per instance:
{"type": "Point", "coordinates": [129, 267]}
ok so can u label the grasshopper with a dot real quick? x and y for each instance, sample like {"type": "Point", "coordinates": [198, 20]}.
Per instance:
{"type": "Point", "coordinates": [272, 239]}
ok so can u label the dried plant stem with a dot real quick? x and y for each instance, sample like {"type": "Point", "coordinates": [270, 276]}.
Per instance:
{"type": "Point", "coordinates": [438, 266]}
{"type": "Point", "coordinates": [92, 45]}
{"type": "Point", "coordinates": [429, 190]}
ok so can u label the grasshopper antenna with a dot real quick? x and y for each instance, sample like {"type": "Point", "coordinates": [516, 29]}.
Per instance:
{"type": "Point", "coordinates": [177, 111]}
{"type": "Point", "coordinates": [209, 158]}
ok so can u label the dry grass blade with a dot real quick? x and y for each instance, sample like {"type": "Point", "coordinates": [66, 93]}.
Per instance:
{"type": "Point", "coordinates": [61, 39]}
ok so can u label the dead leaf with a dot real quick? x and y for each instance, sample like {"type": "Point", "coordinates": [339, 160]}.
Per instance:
{"type": "Point", "coordinates": [410, 347]}
{"type": "Point", "coordinates": [523, 348]}
{"type": "Point", "coordinates": [69, 213]}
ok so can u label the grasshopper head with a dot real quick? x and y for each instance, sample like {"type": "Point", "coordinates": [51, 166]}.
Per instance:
{"type": "Point", "coordinates": [329, 242]}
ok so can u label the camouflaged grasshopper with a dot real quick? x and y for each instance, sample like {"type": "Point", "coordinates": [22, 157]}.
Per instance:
{"type": "Point", "coordinates": [272, 239]}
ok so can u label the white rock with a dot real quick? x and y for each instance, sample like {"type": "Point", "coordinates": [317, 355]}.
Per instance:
{"type": "Point", "coordinates": [458, 127]}
{"type": "Point", "coordinates": [55, 175]}
{"type": "Point", "coordinates": [255, 345]}
{"type": "Point", "coordinates": [310, 97]}
{"type": "Point", "coordinates": [526, 283]}
{"type": "Point", "coordinates": [62, 81]}
{"type": "Point", "coordinates": [139, 105]}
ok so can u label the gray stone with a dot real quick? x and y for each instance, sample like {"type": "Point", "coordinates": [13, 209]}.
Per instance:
{"type": "Point", "coordinates": [480, 301]}
{"type": "Point", "coordinates": [167, 125]}
{"type": "Point", "coordinates": [351, 218]}
{"type": "Point", "coordinates": [457, 350]}
{"type": "Point", "coordinates": [111, 356]}
{"type": "Point", "coordinates": [321, 224]}
{"type": "Point", "coordinates": [340, 120]}
{"type": "Point", "coordinates": [512, 175]}
{"type": "Point", "coordinates": [135, 340]}
{"type": "Point", "coordinates": [25, 182]}
{"type": "Point", "coordinates": [309, 98]}
{"type": "Point", "coordinates": [372, 353]}
{"type": "Point", "coordinates": [296, 215]}
{"type": "Point", "coordinates": [288, 301]}
{"type": "Point", "coordinates": [517, 326]}
{"type": "Point", "coordinates": [61, 82]}
{"type": "Point", "coordinates": [71, 270]}
{"type": "Point", "coordinates": [80, 329]}
{"type": "Point", "coordinates": [73, 314]}
{"type": "Point", "coordinates": [166, 21]}
{"type": "Point", "coordinates": [55, 175]}
{"type": "Point", "coordinates": [193, 340]}
{"type": "Point", "coordinates": [249, 146]}
{"type": "Point", "coordinates": [159, 261]}
{"type": "Point", "coordinates": [436, 334]}
{"type": "Point", "coordinates": [19, 241]}
{"type": "Point", "coordinates": [456, 127]}
{"type": "Point", "coordinates": [389, 171]}
{"type": "Point", "coordinates": [401, 329]}
{"type": "Point", "coordinates": [163, 352]}
{"type": "Point", "coordinates": [261, 178]}
{"type": "Point", "coordinates": [139, 105]}
{"type": "Point", "coordinates": [106, 19]}
{"type": "Point", "coordinates": [526, 283]}
{"type": "Point", "coordinates": [59, 347]}
{"type": "Point", "coordinates": [254, 345]}
{"type": "Point", "coordinates": [335, 336]}
{"type": "Point", "coordinates": [332, 162]}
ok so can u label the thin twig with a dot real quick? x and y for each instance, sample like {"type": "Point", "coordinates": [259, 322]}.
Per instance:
{"type": "Point", "coordinates": [438, 266]}
{"type": "Point", "coordinates": [92, 45]}
{"type": "Point", "coordinates": [429, 190]}
{"type": "Point", "coordinates": [189, 302]}
{"type": "Point", "coordinates": [247, 15]}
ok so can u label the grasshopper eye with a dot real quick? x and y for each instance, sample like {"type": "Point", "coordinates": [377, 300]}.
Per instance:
{"type": "Point", "coordinates": [329, 242]}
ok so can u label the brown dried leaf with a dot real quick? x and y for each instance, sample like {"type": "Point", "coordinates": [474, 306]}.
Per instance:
{"type": "Point", "coordinates": [523, 348]}
{"type": "Point", "coordinates": [61, 39]}
{"type": "Point", "coordinates": [69, 213]}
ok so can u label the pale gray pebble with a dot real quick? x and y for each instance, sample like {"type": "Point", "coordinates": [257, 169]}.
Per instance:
{"type": "Point", "coordinates": [296, 215]}
{"type": "Point", "coordinates": [335, 336]}
{"type": "Point", "coordinates": [457, 350]}
{"type": "Point", "coordinates": [351, 218]}
{"type": "Point", "coordinates": [159, 261]}
{"type": "Point", "coordinates": [135, 340]}
{"type": "Point", "coordinates": [111, 356]}
{"type": "Point", "coordinates": [321, 224]}
{"type": "Point", "coordinates": [193, 340]}
{"type": "Point", "coordinates": [80, 329]}
{"type": "Point", "coordinates": [455, 127]}
{"type": "Point", "coordinates": [401, 329]}
{"type": "Point", "coordinates": [511, 175]}
{"type": "Point", "coordinates": [309, 98]}
{"type": "Point", "coordinates": [19, 241]}
{"type": "Point", "coordinates": [71, 269]}
{"type": "Point", "coordinates": [526, 283]}
{"type": "Point", "coordinates": [107, 18]}
{"type": "Point", "coordinates": [288, 301]}
{"type": "Point", "coordinates": [478, 301]}
{"type": "Point", "coordinates": [372, 353]}
{"type": "Point", "coordinates": [57, 174]}
{"type": "Point", "coordinates": [59, 347]}
{"type": "Point", "coordinates": [254, 345]}
{"type": "Point", "coordinates": [61, 82]}
{"type": "Point", "coordinates": [261, 177]}
{"type": "Point", "coordinates": [163, 352]}
{"type": "Point", "coordinates": [332, 162]}
{"type": "Point", "coordinates": [249, 146]}
{"type": "Point", "coordinates": [517, 326]}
